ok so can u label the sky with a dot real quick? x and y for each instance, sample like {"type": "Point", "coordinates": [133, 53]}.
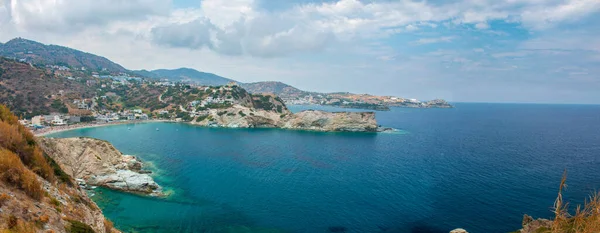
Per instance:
{"type": "Point", "coordinates": [535, 51]}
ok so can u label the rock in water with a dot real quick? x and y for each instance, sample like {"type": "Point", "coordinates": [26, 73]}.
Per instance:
{"type": "Point", "coordinates": [97, 162]}
{"type": "Point", "coordinates": [459, 230]}
{"type": "Point", "coordinates": [332, 121]}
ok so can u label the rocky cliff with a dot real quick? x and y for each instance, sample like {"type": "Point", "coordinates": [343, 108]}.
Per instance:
{"type": "Point", "coordinates": [328, 121]}
{"type": "Point", "coordinates": [36, 195]}
{"type": "Point", "coordinates": [62, 209]}
{"type": "Point", "coordinates": [243, 117]}
{"type": "Point", "coordinates": [99, 163]}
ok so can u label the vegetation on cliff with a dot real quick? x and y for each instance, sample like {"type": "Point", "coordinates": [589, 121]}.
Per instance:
{"type": "Point", "coordinates": [584, 219]}
{"type": "Point", "coordinates": [35, 193]}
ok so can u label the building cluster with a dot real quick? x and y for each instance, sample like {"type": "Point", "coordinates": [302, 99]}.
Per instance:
{"type": "Point", "coordinates": [347, 99]}
{"type": "Point", "coordinates": [57, 119]}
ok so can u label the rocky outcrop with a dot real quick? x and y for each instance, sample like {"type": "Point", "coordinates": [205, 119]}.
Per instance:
{"type": "Point", "coordinates": [459, 230]}
{"type": "Point", "coordinates": [99, 163]}
{"type": "Point", "coordinates": [243, 117]}
{"type": "Point", "coordinates": [59, 208]}
{"type": "Point", "coordinates": [332, 121]}
{"type": "Point", "coordinates": [533, 226]}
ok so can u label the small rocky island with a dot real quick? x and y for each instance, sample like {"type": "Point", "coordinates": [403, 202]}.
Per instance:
{"type": "Point", "coordinates": [94, 162]}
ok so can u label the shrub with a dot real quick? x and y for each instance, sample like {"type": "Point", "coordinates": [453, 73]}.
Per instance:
{"type": "Point", "coordinates": [108, 226]}
{"type": "Point", "coordinates": [18, 139]}
{"type": "Point", "coordinates": [54, 202]}
{"type": "Point", "coordinates": [201, 118]}
{"type": "Point", "coordinates": [61, 175]}
{"type": "Point", "coordinates": [16, 225]}
{"type": "Point", "coordinates": [3, 199]}
{"type": "Point", "coordinates": [79, 227]}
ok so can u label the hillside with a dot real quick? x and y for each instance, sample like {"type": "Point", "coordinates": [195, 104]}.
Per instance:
{"type": "Point", "coordinates": [186, 74]}
{"type": "Point", "coordinates": [31, 91]}
{"type": "Point", "coordinates": [277, 88]}
{"type": "Point", "coordinates": [41, 54]}
{"type": "Point", "coordinates": [36, 195]}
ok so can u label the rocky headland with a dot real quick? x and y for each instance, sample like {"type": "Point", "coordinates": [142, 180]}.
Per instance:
{"type": "Point", "coordinates": [98, 163]}
{"type": "Point", "coordinates": [242, 117]}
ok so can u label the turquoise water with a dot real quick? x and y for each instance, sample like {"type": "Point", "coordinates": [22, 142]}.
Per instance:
{"type": "Point", "coordinates": [478, 166]}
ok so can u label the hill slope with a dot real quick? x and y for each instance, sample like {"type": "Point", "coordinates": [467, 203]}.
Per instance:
{"type": "Point", "coordinates": [183, 74]}
{"type": "Point", "coordinates": [36, 195]}
{"type": "Point", "coordinates": [38, 53]}
{"type": "Point", "coordinates": [32, 91]}
{"type": "Point", "coordinates": [277, 88]}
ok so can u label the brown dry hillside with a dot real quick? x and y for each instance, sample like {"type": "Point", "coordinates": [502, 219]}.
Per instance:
{"type": "Point", "coordinates": [36, 195]}
{"type": "Point", "coordinates": [31, 91]}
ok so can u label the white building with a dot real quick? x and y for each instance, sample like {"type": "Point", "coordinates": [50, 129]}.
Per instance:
{"type": "Point", "coordinates": [37, 120]}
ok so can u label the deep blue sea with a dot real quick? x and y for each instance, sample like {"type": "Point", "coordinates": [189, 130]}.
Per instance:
{"type": "Point", "coordinates": [477, 166]}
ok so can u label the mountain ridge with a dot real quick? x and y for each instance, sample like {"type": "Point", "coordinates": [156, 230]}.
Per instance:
{"type": "Point", "coordinates": [48, 54]}
{"type": "Point", "coordinates": [184, 73]}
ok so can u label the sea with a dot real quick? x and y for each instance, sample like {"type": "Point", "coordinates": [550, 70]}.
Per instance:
{"type": "Point", "coordinates": [477, 166]}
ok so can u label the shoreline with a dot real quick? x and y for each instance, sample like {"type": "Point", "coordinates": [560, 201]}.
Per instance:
{"type": "Point", "coordinates": [58, 129]}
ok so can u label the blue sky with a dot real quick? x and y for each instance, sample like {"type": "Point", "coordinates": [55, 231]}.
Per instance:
{"type": "Point", "coordinates": [543, 51]}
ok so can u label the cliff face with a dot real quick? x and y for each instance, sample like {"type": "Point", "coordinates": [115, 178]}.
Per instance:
{"type": "Point", "coordinates": [36, 195]}
{"type": "Point", "coordinates": [328, 121]}
{"type": "Point", "coordinates": [242, 117]}
{"type": "Point", "coordinates": [99, 163]}
{"type": "Point", "coordinates": [61, 207]}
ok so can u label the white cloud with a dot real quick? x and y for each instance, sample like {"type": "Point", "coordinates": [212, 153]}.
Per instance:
{"type": "Point", "coordinates": [424, 41]}
{"type": "Point", "coordinates": [482, 26]}
{"type": "Point", "coordinates": [67, 15]}
{"type": "Point", "coordinates": [347, 39]}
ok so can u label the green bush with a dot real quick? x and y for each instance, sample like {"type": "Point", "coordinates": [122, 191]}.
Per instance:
{"type": "Point", "coordinates": [79, 227]}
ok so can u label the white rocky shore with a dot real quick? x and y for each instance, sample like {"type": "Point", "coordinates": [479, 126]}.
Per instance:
{"type": "Point", "coordinates": [98, 163]}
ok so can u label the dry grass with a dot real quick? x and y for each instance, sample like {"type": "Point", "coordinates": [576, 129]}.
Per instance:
{"type": "Point", "coordinates": [18, 139]}
{"type": "Point", "coordinates": [12, 171]}
{"type": "Point", "coordinates": [108, 226]}
{"type": "Point", "coordinates": [3, 199]}
{"type": "Point", "coordinates": [586, 218]}
{"type": "Point", "coordinates": [16, 225]}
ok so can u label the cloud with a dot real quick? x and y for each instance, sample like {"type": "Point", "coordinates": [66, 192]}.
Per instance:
{"type": "Point", "coordinates": [68, 15]}
{"type": "Point", "coordinates": [194, 35]}
{"type": "Point", "coordinates": [321, 44]}
{"type": "Point", "coordinates": [424, 41]}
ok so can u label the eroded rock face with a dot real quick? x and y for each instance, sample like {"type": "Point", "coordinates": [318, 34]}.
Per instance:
{"type": "Point", "coordinates": [99, 163]}
{"type": "Point", "coordinates": [126, 180]}
{"type": "Point", "coordinates": [328, 121]}
{"type": "Point", "coordinates": [242, 117]}
{"type": "Point", "coordinates": [531, 226]}
{"type": "Point", "coordinates": [61, 203]}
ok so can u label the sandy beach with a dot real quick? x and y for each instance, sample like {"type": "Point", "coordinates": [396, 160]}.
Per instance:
{"type": "Point", "coordinates": [55, 129]}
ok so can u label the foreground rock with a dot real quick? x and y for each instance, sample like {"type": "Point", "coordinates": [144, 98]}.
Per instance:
{"type": "Point", "coordinates": [99, 163]}
{"type": "Point", "coordinates": [243, 117]}
{"type": "Point", "coordinates": [534, 226]}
